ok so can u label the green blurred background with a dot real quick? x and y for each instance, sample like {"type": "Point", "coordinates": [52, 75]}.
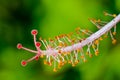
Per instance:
{"type": "Point", "coordinates": [51, 18]}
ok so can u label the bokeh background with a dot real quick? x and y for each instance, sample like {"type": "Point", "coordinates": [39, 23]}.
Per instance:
{"type": "Point", "coordinates": [51, 18]}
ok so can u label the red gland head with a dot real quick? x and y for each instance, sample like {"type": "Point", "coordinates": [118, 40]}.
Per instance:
{"type": "Point", "coordinates": [23, 63]}
{"type": "Point", "coordinates": [38, 44]}
{"type": "Point", "coordinates": [34, 32]}
{"type": "Point", "coordinates": [37, 58]}
{"type": "Point", "coordinates": [19, 46]}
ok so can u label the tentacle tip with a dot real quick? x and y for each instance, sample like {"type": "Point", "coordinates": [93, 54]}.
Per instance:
{"type": "Point", "coordinates": [85, 60]}
{"type": "Point", "coordinates": [45, 62]}
{"type": "Point", "coordinates": [38, 44]}
{"type": "Point", "coordinates": [76, 62]}
{"type": "Point", "coordinates": [55, 70]}
{"type": "Point", "coordinates": [37, 58]}
{"type": "Point", "coordinates": [73, 65]}
{"type": "Point", "coordinates": [114, 15]}
{"type": "Point", "coordinates": [96, 53]}
{"type": "Point", "coordinates": [114, 41]}
{"type": "Point", "coordinates": [23, 63]}
{"type": "Point", "coordinates": [34, 32]}
{"type": "Point", "coordinates": [114, 33]}
{"type": "Point", "coordinates": [105, 13]}
{"type": "Point", "coordinates": [19, 46]}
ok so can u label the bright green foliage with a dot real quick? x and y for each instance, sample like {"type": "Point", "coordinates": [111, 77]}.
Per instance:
{"type": "Point", "coordinates": [51, 18]}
